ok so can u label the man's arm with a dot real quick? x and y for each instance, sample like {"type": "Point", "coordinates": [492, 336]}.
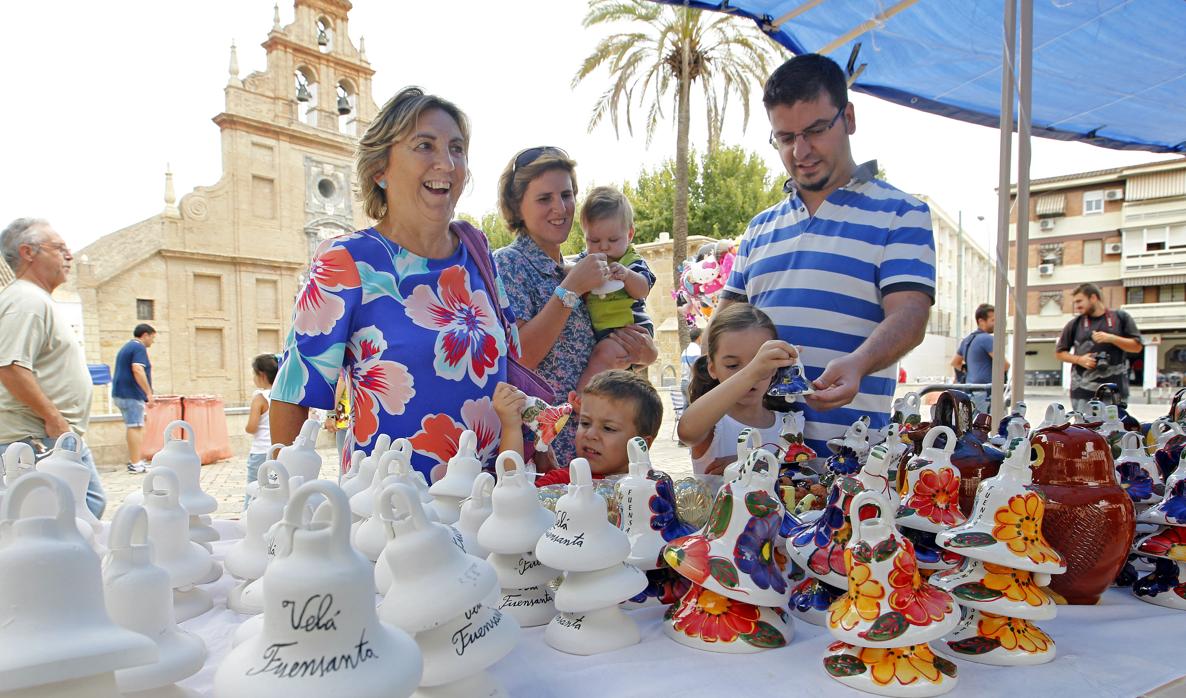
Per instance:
{"type": "Point", "coordinates": [903, 328]}
{"type": "Point", "coordinates": [141, 377]}
{"type": "Point", "coordinates": [1066, 341]}
{"type": "Point", "coordinates": [20, 381]}
{"type": "Point", "coordinates": [957, 362]}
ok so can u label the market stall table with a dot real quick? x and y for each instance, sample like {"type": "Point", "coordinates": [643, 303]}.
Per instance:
{"type": "Point", "coordinates": [1122, 647]}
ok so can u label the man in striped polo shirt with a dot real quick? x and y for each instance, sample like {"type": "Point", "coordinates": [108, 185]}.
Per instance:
{"type": "Point", "coordinates": [845, 266]}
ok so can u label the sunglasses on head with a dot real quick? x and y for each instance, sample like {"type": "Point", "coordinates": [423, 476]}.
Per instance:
{"type": "Point", "coordinates": [526, 157]}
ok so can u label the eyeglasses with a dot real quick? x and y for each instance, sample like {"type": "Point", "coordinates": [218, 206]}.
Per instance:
{"type": "Point", "coordinates": [809, 134]}
{"type": "Point", "coordinates": [59, 247]}
{"type": "Point", "coordinates": [526, 157]}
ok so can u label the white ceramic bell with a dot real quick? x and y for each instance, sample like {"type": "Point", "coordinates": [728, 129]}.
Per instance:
{"type": "Point", "coordinates": [248, 558]}
{"type": "Point", "coordinates": [466, 644]}
{"type": "Point", "coordinates": [1005, 527]}
{"type": "Point", "coordinates": [930, 500]}
{"type": "Point", "coordinates": [168, 530]}
{"type": "Point", "coordinates": [856, 438]}
{"type": "Point", "coordinates": [351, 472]}
{"type": "Point", "coordinates": [705, 620]}
{"type": "Point", "coordinates": [301, 458]}
{"type": "Point", "coordinates": [581, 539]}
{"type": "Point", "coordinates": [65, 462]}
{"type": "Point", "coordinates": [473, 513]}
{"type": "Point", "coordinates": [180, 456]}
{"type": "Point", "coordinates": [479, 685]}
{"type": "Point", "coordinates": [461, 471]}
{"type": "Point", "coordinates": [320, 623]}
{"type": "Point", "coordinates": [19, 460]}
{"type": "Point", "coordinates": [903, 672]}
{"type": "Point", "coordinates": [367, 466]}
{"type": "Point", "coordinates": [595, 632]}
{"type": "Point", "coordinates": [521, 571]}
{"type": "Point", "coordinates": [517, 519]}
{"type": "Point", "coordinates": [588, 591]}
{"type": "Point", "coordinates": [362, 504]}
{"type": "Point", "coordinates": [530, 607]}
{"type": "Point", "coordinates": [1002, 591]}
{"type": "Point", "coordinates": [1111, 423]}
{"type": "Point", "coordinates": [56, 638]}
{"type": "Point", "coordinates": [634, 496]}
{"type": "Point", "coordinates": [138, 597]}
{"type": "Point", "coordinates": [432, 579]}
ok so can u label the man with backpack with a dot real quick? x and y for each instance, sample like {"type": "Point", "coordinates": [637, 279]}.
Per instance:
{"type": "Point", "coordinates": [973, 359]}
{"type": "Point", "coordinates": [1101, 340]}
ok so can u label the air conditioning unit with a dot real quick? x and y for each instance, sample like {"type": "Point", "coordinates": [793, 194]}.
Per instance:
{"type": "Point", "coordinates": [1114, 195]}
{"type": "Point", "coordinates": [1045, 269]}
{"type": "Point", "coordinates": [1046, 224]}
{"type": "Point", "coordinates": [1114, 248]}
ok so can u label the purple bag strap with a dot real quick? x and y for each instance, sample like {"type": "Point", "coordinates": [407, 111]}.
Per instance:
{"type": "Point", "coordinates": [475, 242]}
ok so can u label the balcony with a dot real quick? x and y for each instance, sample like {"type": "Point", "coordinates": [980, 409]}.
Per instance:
{"type": "Point", "coordinates": [1157, 316]}
{"type": "Point", "coordinates": [1172, 261]}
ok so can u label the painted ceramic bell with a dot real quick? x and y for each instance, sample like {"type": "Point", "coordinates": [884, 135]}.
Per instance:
{"type": "Point", "coordinates": [65, 462]}
{"type": "Point", "coordinates": [1002, 591]}
{"type": "Point", "coordinates": [887, 604]}
{"type": "Point", "coordinates": [1171, 510]}
{"type": "Point", "coordinates": [1138, 471]}
{"type": "Point", "coordinates": [1168, 542]}
{"type": "Point", "coordinates": [320, 623]}
{"type": "Point", "coordinates": [545, 420]}
{"type": "Point", "coordinates": [790, 382]}
{"type": "Point", "coordinates": [138, 597]}
{"type": "Point", "coordinates": [362, 504]}
{"type": "Point", "coordinates": [973, 456]}
{"type": "Point", "coordinates": [931, 557]}
{"type": "Point", "coordinates": [461, 471]}
{"type": "Point", "coordinates": [180, 456]}
{"type": "Point", "coordinates": [581, 539]}
{"type": "Point", "coordinates": [479, 685]}
{"type": "Point", "coordinates": [594, 632]}
{"type": "Point", "coordinates": [517, 520]}
{"type": "Point", "coordinates": [466, 644]}
{"type": "Point", "coordinates": [1006, 525]}
{"type": "Point", "coordinates": [1056, 415]}
{"type": "Point", "coordinates": [907, 411]}
{"type": "Point", "coordinates": [301, 458]}
{"type": "Point", "coordinates": [55, 634]}
{"type": "Point", "coordinates": [646, 499]}
{"type": "Point", "coordinates": [474, 512]}
{"type": "Point", "coordinates": [588, 591]}
{"type": "Point", "coordinates": [664, 587]}
{"type": "Point", "coordinates": [168, 530]}
{"type": "Point", "coordinates": [735, 554]}
{"type": "Point", "coordinates": [908, 672]}
{"type": "Point", "coordinates": [248, 558]}
{"type": "Point", "coordinates": [705, 620]}
{"type": "Point", "coordinates": [366, 466]}
{"type": "Point", "coordinates": [530, 607]}
{"type": "Point", "coordinates": [1164, 586]}
{"type": "Point", "coordinates": [1089, 519]}
{"type": "Point", "coordinates": [986, 638]}
{"type": "Point", "coordinates": [849, 450]}
{"type": "Point", "coordinates": [930, 498]}
{"type": "Point", "coordinates": [432, 580]}
{"type": "Point", "coordinates": [521, 571]}
{"type": "Point", "coordinates": [810, 599]}
{"type": "Point", "coordinates": [796, 454]}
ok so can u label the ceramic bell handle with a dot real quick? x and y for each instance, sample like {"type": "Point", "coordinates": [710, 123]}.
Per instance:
{"type": "Point", "coordinates": [64, 438]}
{"type": "Point", "coordinates": [172, 484]}
{"type": "Point", "coordinates": [184, 426]}
{"type": "Point", "coordinates": [402, 448]}
{"type": "Point", "coordinates": [479, 492]}
{"type": "Point", "coordinates": [398, 503]}
{"type": "Point", "coordinates": [515, 460]}
{"type": "Point", "coordinates": [912, 401]}
{"type": "Point", "coordinates": [1131, 441]}
{"type": "Point", "coordinates": [17, 457]}
{"type": "Point", "coordinates": [273, 467]}
{"type": "Point", "coordinates": [467, 445]}
{"type": "Point", "coordinates": [747, 441]}
{"type": "Point", "coordinates": [639, 456]}
{"type": "Point", "coordinates": [579, 473]}
{"type": "Point", "coordinates": [933, 433]}
{"type": "Point", "coordinates": [761, 469]}
{"type": "Point", "coordinates": [355, 463]}
{"type": "Point", "coordinates": [294, 512]}
{"type": "Point", "coordinates": [383, 469]}
{"type": "Point", "coordinates": [878, 462]}
{"type": "Point", "coordinates": [274, 450]}
{"type": "Point", "coordinates": [863, 499]}
{"type": "Point", "coordinates": [308, 435]}
{"type": "Point", "coordinates": [128, 528]}
{"type": "Point", "coordinates": [1017, 461]}
{"type": "Point", "coordinates": [10, 508]}
{"type": "Point", "coordinates": [382, 443]}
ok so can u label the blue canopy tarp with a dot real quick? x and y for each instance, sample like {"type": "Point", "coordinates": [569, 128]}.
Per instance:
{"type": "Point", "coordinates": [1110, 73]}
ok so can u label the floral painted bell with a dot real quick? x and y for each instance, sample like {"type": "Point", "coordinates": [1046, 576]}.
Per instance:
{"type": "Point", "coordinates": [301, 457]}
{"type": "Point", "coordinates": [321, 634]}
{"type": "Point", "coordinates": [432, 580]}
{"type": "Point", "coordinates": [474, 512]}
{"type": "Point", "coordinates": [736, 553]}
{"type": "Point", "coordinates": [458, 481]}
{"type": "Point", "coordinates": [180, 456]}
{"type": "Point", "coordinates": [998, 590]}
{"type": "Point", "coordinates": [849, 450]}
{"type": "Point", "coordinates": [56, 637]}
{"type": "Point", "coordinates": [1138, 471]}
{"type": "Point", "coordinates": [887, 604]}
{"type": "Point", "coordinates": [646, 498]}
{"type": "Point", "coordinates": [790, 382]}
{"type": "Point", "coordinates": [907, 411]}
{"type": "Point", "coordinates": [582, 539]}
{"type": "Point", "coordinates": [168, 531]}
{"type": "Point", "coordinates": [517, 519]}
{"type": "Point", "coordinates": [138, 597]}
{"type": "Point", "coordinates": [1171, 510]}
{"type": "Point", "coordinates": [987, 638]}
{"type": "Point", "coordinates": [705, 620]}
{"type": "Point", "coordinates": [796, 454]}
{"type": "Point", "coordinates": [810, 599]}
{"type": "Point", "coordinates": [248, 558]}
{"type": "Point", "coordinates": [930, 498]}
{"type": "Point", "coordinates": [1165, 585]}
{"type": "Point", "coordinates": [545, 421]}
{"type": "Point", "coordinates": [914, 671]}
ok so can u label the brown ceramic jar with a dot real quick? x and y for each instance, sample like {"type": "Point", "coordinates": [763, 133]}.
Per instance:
{"type": "Point", "coordinates": [1089, 517]}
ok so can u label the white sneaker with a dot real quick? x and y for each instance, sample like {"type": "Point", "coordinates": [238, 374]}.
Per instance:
{"type": "Point", "coordinates": [137, 467]}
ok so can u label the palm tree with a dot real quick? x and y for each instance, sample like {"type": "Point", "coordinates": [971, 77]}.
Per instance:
{"type": "Point", "coordinates": [671, 48]}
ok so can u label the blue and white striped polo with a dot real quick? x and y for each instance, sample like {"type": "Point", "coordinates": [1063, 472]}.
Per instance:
{"type": "Point", "coordinates": [821, 279]}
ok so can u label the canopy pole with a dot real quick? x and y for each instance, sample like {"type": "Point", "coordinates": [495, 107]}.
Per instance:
{"type": "Point", "coordinates": [1021, 273]}
{"type": "Point", "coordinates": [1001, 301]}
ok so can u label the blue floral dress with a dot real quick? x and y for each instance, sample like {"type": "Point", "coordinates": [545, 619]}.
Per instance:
{"type": "Point", "coordinates": [418, 338]}
{"type": "Point", "coordinates": [530, 276]}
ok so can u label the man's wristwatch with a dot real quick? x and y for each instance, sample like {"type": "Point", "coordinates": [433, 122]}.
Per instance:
{"type": "Point", "coordinates": [568, 298]}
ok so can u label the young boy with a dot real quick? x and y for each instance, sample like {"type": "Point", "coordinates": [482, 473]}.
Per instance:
{"type": "Point", "coordinates": [615, 406]}
{"type": "Point", "coordinates": [608, 221]}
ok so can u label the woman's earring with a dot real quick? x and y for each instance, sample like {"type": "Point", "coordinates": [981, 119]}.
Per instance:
{"type": "Point", "coordinates": [383, 184]}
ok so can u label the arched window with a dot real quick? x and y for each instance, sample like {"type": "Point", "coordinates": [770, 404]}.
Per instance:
{"type": "Point", "coordinates": [305, 92]}
{"type": "Point", "coordinates": [325, 35]}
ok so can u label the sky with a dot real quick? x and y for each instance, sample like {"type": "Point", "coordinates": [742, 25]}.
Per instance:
{"type": "Point", "coordinates": [103, 95]}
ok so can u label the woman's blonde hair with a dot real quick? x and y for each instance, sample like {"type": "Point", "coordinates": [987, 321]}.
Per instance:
{"type": "Point", "coordinates": [512, 184]}
{"type": "Point", "coordinates": [394, 122]}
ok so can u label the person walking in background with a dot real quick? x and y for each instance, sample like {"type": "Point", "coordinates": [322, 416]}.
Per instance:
{"type": "Point", "coordinates": [131, 390]}
{"type": "Point", "coordinates": [1101, 339]}
{"type": "Point", "coordinates": [688, 358]}
{"type": "Point", "coordinates": [45, 388]}
{"type": "Point", "coordinates": [263, 369]}
{"type": "Point", "coordinates": [974, 356]}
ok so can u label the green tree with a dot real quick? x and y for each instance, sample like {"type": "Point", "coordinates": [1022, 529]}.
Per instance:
{"type": "Point", "coordinates": [494, 226]}
{"type": "Point", "coordinates": [656, 60]}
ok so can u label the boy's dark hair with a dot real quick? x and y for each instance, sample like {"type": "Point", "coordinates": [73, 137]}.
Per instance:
{"type": "Point", "coordinates": [267, 365]}
{"type": "Point", "coordinates": [983, 310]}
{"type": "Point", "coordinates": [1088, 290]}
{"type": "Point", "coordinates": [735, 317]}
{"type": "Point", "coordinates": [629, 386]}
{"type": "Point", "coordinates": [142, 329]}
{"type": "Point", "coordinates": [694, 333]}
{"type": "Point", "coordinates": [802, 79]}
